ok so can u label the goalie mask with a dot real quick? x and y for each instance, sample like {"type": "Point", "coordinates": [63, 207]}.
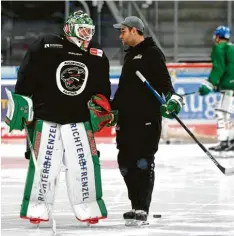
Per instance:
{"type": "Point", "coordinates": [79, 29]}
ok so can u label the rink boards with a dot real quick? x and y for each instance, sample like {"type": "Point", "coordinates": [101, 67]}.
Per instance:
{"type": "Point", "coordinates": [197, 112]}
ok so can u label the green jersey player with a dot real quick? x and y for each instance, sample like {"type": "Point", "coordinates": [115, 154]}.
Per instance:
{"type": "Point", "coordinates": [221, 79]}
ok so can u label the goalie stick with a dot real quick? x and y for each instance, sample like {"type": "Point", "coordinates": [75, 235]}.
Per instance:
{"type": "Point", "coordinates": [52, 220]}
{"type": "Point", "coordinates": [226, 171]}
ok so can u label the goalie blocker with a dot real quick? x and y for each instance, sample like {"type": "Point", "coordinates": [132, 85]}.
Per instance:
{"type": "Point", "coordinates": [19, 108]}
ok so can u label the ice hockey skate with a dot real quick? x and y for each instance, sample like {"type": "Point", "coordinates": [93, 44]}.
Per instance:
{"type": "Point", "coordinates": [141, 218]}
{"type": "Point", "coordinates": [230, 148]}
{"type": "Point", "coordinates": [222, 146]}
{"type": "Point", "coordinates": [229, 151]}
{"type": "Point", "coordinates": [225, 149]}
{"type": "Point", "coordinates": [129, 217]}
{"type": "Point", "coordinates": [135, 218]}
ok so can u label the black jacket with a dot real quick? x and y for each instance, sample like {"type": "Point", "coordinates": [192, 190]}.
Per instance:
{"type": "Point", "coordinates": [132, 99]}
{"type": "Point", "coordinates": [61, 78]}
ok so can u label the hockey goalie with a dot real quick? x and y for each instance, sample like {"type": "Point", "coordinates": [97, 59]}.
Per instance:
{"type": "Point", "coordinates": [62, 97]}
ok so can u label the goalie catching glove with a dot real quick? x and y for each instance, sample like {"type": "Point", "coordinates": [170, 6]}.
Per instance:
{"type": "Point", "coordinates": [19, 109]}
{"type": "Point", "coordinates": [100, 112]}
{"type": "Point", "coordinates": [173, 105]}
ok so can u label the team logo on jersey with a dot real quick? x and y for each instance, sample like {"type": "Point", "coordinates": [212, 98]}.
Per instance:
{"type": "Point", "coordinates": [71, 77]}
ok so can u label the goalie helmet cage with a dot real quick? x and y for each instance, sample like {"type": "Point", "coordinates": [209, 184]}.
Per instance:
{"type": "Point", "coordinates": [186, 78]}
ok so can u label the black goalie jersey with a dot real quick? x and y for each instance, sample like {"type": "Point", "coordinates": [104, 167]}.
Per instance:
{"type": "Point", "coordinates": [61, 78]}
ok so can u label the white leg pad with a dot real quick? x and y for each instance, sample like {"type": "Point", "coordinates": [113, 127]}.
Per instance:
{"type": "Point", "coordinates": [82, 172]}
{"type": "Point", "coordinates": [49, 152]}
{"type": "Point", "coordinates": [88, 210]}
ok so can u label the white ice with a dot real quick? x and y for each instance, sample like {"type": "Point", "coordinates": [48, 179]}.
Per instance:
{"type": "Point", "coordinates": [193, 196]}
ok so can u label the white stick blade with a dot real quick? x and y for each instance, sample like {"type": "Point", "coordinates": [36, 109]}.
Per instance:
{"type": "Point", "coordinates": [229, 171]}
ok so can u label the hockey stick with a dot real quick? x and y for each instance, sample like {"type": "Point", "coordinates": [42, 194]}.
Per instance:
{"type": "Point", "coordinates": [186, 94]}
{"type": "Point", "coordinates": [226, 171]}
{"type": "Point", "coordinates": [196, 92]}
{"type": "Point", "coordinates": [52, 220]}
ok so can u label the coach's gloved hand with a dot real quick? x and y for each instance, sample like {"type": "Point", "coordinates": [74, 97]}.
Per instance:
{"type": "Point", "coordinates": [173, 105]}
{"type": "Point", "coordinates": [206, 88]}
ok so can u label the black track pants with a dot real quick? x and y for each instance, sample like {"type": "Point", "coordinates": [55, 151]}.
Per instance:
{"type": "Point", "coordinates": [137, 146]}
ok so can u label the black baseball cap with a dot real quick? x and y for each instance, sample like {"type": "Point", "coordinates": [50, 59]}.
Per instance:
{"type": "Point", "coordinates": [131, 21]}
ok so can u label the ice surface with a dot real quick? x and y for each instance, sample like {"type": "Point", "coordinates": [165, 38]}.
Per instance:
{"type": "Point", "coordinates": [193, 196]}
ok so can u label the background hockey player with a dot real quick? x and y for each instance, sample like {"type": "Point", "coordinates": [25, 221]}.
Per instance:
{"type": "Point", "coordinates": [221, 79]}
{"type": "Point", "coordinates": [139, 119]}
{"type": "Point", "coordinates": [64, 75]}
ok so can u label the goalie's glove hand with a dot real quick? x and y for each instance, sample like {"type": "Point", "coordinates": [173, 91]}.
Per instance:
{"type": "Point", "coordinates": [100, 112]}
{"type": "Point", "coordinates": [173, 105]}
{"type": "Point", "coordinates": [206, 88]}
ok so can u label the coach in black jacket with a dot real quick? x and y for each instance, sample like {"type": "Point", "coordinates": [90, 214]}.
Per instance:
{"type": "Point", "coordinates": [139, 120]}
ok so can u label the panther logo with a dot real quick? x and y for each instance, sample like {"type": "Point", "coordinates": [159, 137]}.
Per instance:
{"type": "Point", "coordinates": [71, 77]}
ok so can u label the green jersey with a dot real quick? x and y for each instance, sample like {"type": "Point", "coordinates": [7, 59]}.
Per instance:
{"type": "Point", "coordinates": [222, 73]}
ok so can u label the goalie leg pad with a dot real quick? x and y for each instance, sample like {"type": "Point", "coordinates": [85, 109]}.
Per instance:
{"type": "Point", "coordinates": [49, 153]}
{"type": "Point", "coordinates": [83, 174]}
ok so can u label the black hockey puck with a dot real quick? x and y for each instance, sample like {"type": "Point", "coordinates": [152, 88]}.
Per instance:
{"type": "Point", "coordinates": [157, 216]}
